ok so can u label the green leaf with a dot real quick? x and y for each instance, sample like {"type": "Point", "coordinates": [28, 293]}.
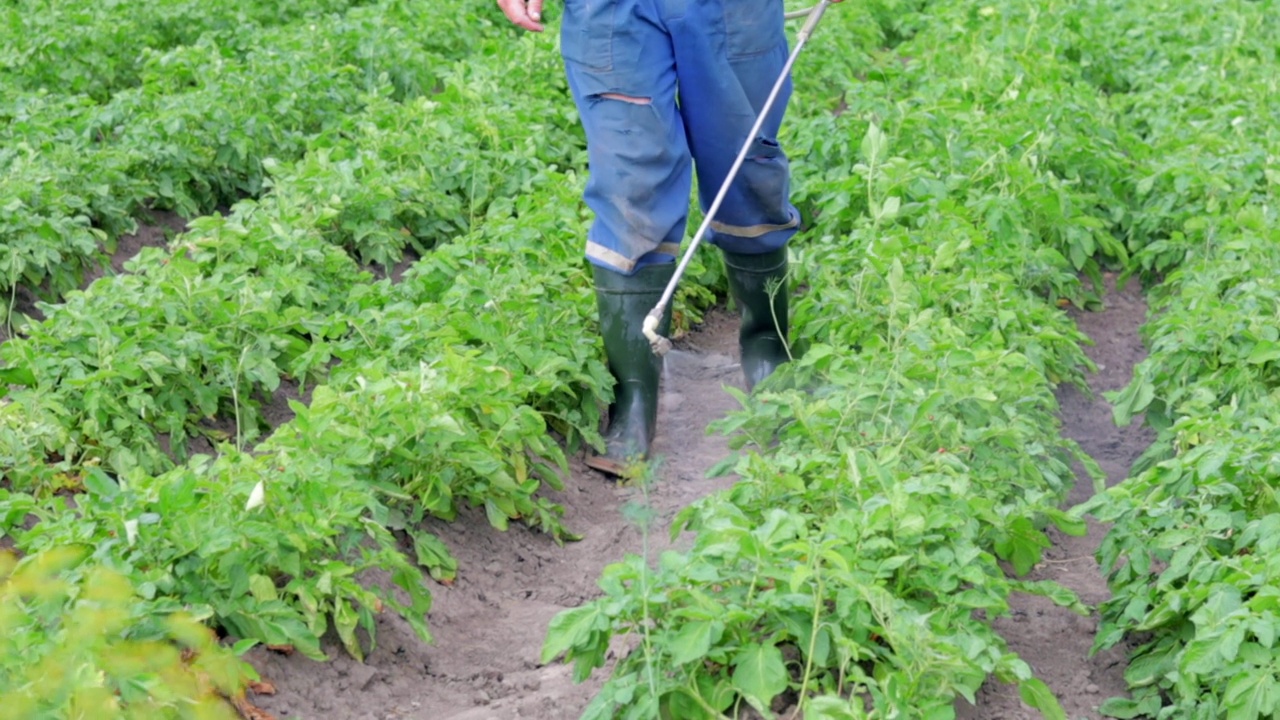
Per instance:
{"type": "Point", "coordinates": [1067, 523]}
{"type": "Point", "coordinates": [17, 376]}
{"type": "Point", "coordinates": [1130, 401]}
{"type": "Point", "coordinates": [262, 588]}
{"type": "Point", "coordinates": [1021, 545]}
{"type": "Point", "coordinates": [875, 144]}
{"type": "Point", "coordinates": [945, 256]}
{"type": "Point", "coordinates": [1264, 352]}
{"type": "Point", "coordinates": [1212, 461]}
{"type": "Point", "coordinates": [434, 556]}
{"type": "Point", "coordinates": [759, 672]}
{"type": "Point", "coordinates": [1122, 708]}
{"type": "Point", "coordinates": [691, 642]}
{"type": "Point", "coordinates": [1200, 657]}
{"type": "Point", "coordinates": [1265, 630]}
{"type": "Point", "coordinates": [722, 468]}
{"type": "Point", "coordinates": [1149, 668]}
{"type": "Point", "coordinates": [716, 690]}
{"type": "Point", "coordinates": [1061, 595]}
{"type": "Point", "coordinates": [344, 621]}
{"type": "Point", "coordinates": [497, 518]}
{"type": "Point", "coordinates": [243, 646]}
{"type": "Point", "coordinates": [1250, 696]}
{"type": "Point", "coordinates": [1038, 695]}
{"type": "Point", "coordinates": [941, 711]}
{"type": "Point", "coordinates": [570, 629]}
{"type": "Point", "coordinates": [98, 483]}
{"type": "Point", "coordinates": [827, 707]}
{"type": "Point", "coordinates": [681, 703]}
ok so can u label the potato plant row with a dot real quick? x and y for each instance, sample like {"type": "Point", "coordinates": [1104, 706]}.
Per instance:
{"type": "Point", "coordinates": [1197, 89]}
{"type": "Point", "coordinates": [138, 363]}
{"type": "Point", "coordinates": [96, 49]}
{"type": "Point", "coordinates": [197, 131]}
{"type": "Point", "coordinates": [1190, 557]}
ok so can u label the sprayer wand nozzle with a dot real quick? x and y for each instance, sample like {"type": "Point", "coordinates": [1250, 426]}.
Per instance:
{"type": "Point", "coordinates": [661, 346]}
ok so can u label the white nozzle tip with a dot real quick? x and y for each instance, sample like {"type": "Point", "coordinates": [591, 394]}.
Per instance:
{"type": "Point", "coordinates": [651, 328]}
{"type": "Point", "coordinates": [661, 346]}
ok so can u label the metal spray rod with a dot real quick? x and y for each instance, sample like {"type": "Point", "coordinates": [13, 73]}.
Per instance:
{"type": "Point", "coordinates": [797, 14]}
{"type": "Point", "coordinates": [661, 346]}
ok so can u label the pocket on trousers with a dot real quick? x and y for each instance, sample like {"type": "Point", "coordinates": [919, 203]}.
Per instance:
{"type": "Point", "coordinates": [752, 27]}
{"type": "Point", "coordinates": [586, 33]}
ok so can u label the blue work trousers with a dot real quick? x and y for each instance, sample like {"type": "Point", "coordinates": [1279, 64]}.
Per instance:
{"type": "Point", "coordinates": [667, 86]}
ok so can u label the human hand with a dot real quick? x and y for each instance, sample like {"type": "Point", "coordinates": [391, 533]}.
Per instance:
{"type": "Point", "coordinates": [525, 13]}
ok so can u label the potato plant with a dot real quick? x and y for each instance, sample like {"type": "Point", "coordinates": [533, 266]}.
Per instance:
{"type": "Point", "coordinates": [77, 641]}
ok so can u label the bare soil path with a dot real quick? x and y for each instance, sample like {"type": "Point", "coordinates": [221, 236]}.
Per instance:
{"type": "Point", "coordinates": [1054, 641]}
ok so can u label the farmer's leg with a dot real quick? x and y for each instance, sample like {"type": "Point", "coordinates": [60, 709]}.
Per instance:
{"type": "Point", "coordinates": [729, 53]}
{"type": "Point", "coordinates": [621, 71]}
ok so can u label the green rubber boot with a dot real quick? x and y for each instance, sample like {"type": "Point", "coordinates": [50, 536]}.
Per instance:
{"type": "Point", "coordinates": [623, 302]}
{"type": "Point", "coordinates": [759, 287]}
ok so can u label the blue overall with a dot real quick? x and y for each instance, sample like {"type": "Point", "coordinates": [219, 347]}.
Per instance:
{"type": "Point", "coordinates": [666, 86]}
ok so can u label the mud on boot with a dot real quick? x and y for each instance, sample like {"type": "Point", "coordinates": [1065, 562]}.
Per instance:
{"type": "Point", "coordinates": [623, 301]}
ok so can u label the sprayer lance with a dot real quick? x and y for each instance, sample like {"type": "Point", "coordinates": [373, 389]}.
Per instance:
{"type": "Point", "coordinates": [661, 345]}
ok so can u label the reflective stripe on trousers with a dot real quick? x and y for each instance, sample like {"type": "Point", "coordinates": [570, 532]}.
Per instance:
{"type": "Point", "coordinates": [665, 87]}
